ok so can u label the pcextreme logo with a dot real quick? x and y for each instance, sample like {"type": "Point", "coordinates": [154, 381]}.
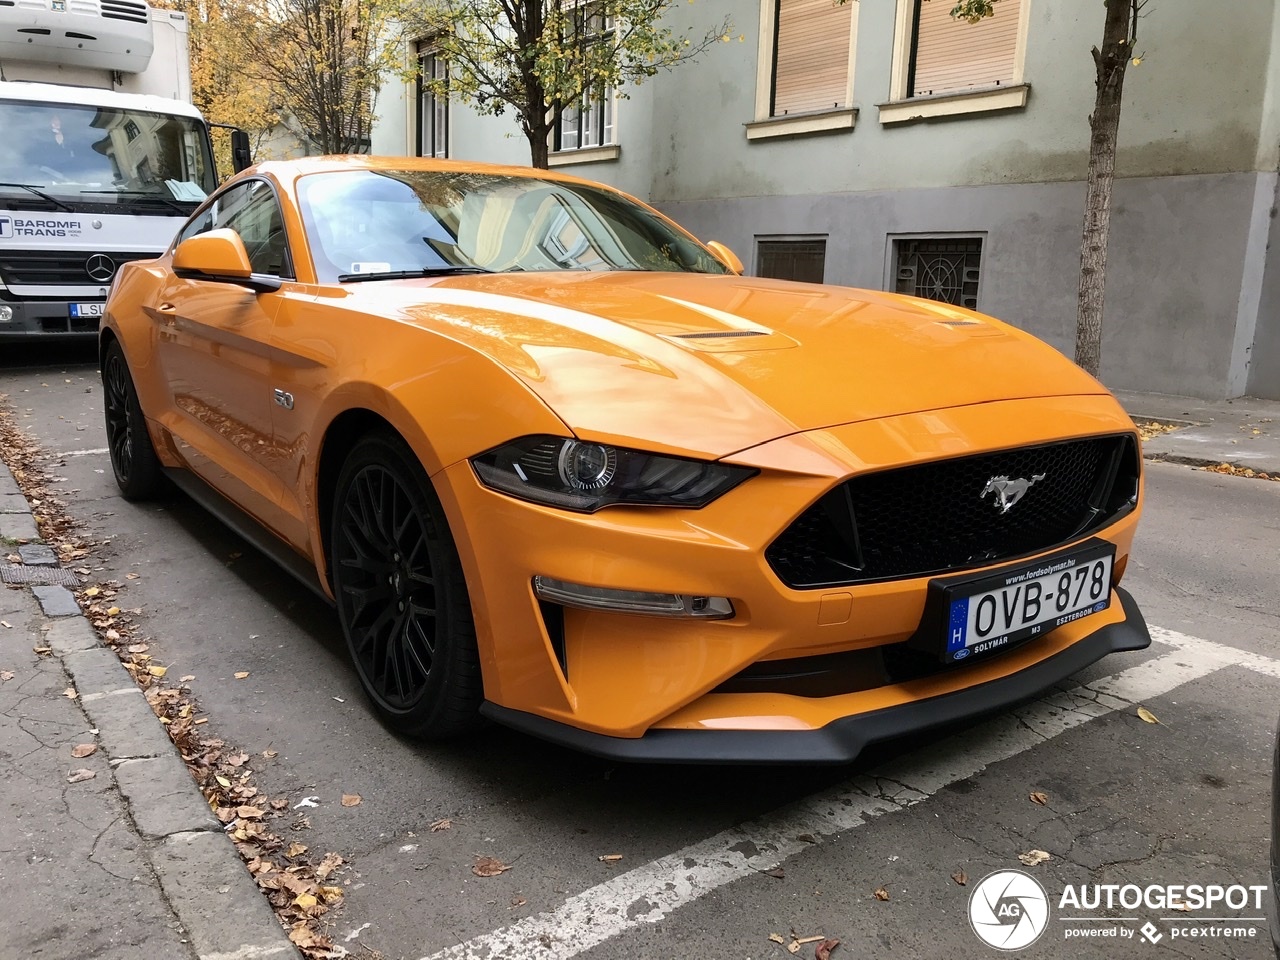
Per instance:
{"type": "Point", "coordinates": [1010, 910]}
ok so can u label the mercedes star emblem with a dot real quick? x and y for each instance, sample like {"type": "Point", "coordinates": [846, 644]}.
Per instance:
{"type": "Point", "coordinates": [100, 267]}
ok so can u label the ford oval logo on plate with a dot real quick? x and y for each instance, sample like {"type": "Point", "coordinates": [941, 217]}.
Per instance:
{"type": "Point", "coordinates": [961, 654]}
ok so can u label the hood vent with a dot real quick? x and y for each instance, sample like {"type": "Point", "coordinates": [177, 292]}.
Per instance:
{"type": "Point", "coordinates": [722, 334]}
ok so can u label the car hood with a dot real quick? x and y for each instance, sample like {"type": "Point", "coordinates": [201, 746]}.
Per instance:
{"type": "Point", "coordinates": [710, 365]}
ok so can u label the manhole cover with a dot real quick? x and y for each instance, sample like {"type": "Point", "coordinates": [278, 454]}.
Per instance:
{"type": "Point", "coordinates": [38, 576]}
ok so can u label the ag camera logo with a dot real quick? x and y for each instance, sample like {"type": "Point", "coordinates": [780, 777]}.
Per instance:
{"type": "Point", "coordinates": [1009, 910]}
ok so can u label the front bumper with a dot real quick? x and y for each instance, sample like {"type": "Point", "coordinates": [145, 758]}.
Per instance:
{"type": "Point", "coordinates": [842, 740]}
{"type": "Point", "coordinates": [607, 676]}
{"type": "Point", "coordinates": [38, 319]}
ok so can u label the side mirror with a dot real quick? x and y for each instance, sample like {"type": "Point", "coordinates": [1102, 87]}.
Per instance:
{"type": "Point", "coordinates": [241, 155]}
{"type": "Point", "coordinates": [219, 255]}
{"type": "Point", "coordinates": [725, 256]}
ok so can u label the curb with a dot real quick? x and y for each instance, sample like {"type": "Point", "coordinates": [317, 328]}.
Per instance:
{"type": "Point", "coordinates": [199, 873]}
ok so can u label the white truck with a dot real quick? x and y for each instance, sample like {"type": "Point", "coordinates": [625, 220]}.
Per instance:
{"type": "Point", "coordinates": [102, 155]}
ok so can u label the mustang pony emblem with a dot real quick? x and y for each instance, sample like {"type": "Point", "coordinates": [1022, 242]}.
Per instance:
{"type": "Point", "coordinates": [1008, 492]}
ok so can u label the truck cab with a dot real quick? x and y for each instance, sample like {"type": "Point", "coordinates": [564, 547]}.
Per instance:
{"type": "Point", "coordinates": [102, 155]}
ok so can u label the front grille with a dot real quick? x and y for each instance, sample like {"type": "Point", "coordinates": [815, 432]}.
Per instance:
{"type": "Point", "coordinates": [55, 267]}
{"type": "Point", "coordinates": [934, 518]}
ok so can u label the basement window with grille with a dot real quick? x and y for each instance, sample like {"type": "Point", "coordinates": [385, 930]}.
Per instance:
{"type": "Point", "coordinates": [803, 260]}
{"type": "Point", "coordinates": [947, 269]}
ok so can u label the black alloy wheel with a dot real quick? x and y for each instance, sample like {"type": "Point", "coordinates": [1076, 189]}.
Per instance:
{"type": "Point", "coordinates": [401, 594]}
{"type": "Point", "coordinates": [133, 458]}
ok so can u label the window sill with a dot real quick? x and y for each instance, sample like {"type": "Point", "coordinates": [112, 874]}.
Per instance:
{"type": "Point", "coordinates": [802, 125]}
{"type": "Point", "coordinates": [564, 158]}
{"type": "Point", "coordinates": [940, 105]}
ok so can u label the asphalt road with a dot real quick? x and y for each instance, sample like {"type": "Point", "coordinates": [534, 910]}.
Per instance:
{"type": "Point", "coordinates": [1179, 802]}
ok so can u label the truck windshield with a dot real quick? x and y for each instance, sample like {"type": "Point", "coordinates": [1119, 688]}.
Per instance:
{"type": "Point", "coordinates": [91, 156]}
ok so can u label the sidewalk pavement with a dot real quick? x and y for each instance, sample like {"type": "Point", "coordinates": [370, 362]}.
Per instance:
{"type": "Point", "coordinates": [112, 855]}
{"type": "Point", "coordinates": [1243, 433]}
{"type": "Point", "coordinates": [127, 861]}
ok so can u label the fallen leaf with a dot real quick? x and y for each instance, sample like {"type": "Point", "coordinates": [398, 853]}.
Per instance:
{"type": "Point", "coordinates": [249, 813]}
{"type": "Point", "coordinates": [439, 825]}
{"type": "Point", "coordinates": [157, 671]}
{"type": "Point", "coordinates": [807, 838]}
{"type": "Point", "coordinates": [330, 863]}
{"type": "Point", "coordinates": [113, 611]}
{"type": "Point", "coordinates": [82, 750]}
{"type": "Point", "coordinates": [6, 675]}
{"type": "Point", "coordinates": [777, 873]}
{"type": "Point", "coordinates": [488, 867]}
{"type": "Point", "coordinates": [92, 592]}
{"type": "Point", "coordinates": [1033, 857]}
{"type": "Point", "coordinates": [268, 754]}
{"type": "Point", "coordinates": [295, 850]}
{"type": "Point", "coordinates": [776, 938]}
{"type": "Point", "coordinates": [881, 893]}
{"type": "Point", "coordinates": [823, 950]}
{"type": "Point", "coordinates": [1147, 715]}
{"type": "Point", "coordinates": [187, 679]}
{"type": "Point", "coordinates": [351, 799]}
{"type": "Point", "coordinates": [1181, 905]}
{"type": "Point", "coordinates": [75, 776]}
{"type": "Point", "coordinates": [132, 576]}
{"type": "Point", "coordinates": [70, 693]}
{"type": "Point", "coordinates": [41, 651]}
{"type": "Point", "coordinates": [305, 901]}
{"type": "Point", "coordinates": [610, 858]}
{"type": "Point", "coordinates": [279, 803]}
{"type": "Point", "coordinates": [112, 636]}
{"type": "Point", "coordinates": [332, 894]}
{"type": "Point", "coordinates": [960, 877]}
{"type": "Point", "coordinates": [137, 648]}
{"type": "Point", "coordinates": [241, 674]}
{"type": "Point", "coordinates": [223, 781]}
{"type": "Point", "coordinates": [1039, 797]}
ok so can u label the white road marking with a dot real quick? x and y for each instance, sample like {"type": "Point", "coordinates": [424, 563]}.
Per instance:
{"type": "Point", "coordinates": [96, 451]}
{"type": "Point", "coordinates": [649, 893]}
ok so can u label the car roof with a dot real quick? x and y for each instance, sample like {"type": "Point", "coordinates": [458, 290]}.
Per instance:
{"type": "Point", "coordinates": [288, 170]}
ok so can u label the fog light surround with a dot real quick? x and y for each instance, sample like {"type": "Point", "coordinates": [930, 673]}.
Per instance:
{"type": "Point", "coordinates": [6, 313]}
{"type": "Point", "coordinates": [640, 602]}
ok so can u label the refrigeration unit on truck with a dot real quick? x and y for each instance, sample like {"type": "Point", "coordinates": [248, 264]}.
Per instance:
{"type": "Point", "coordinates": [102, 155]}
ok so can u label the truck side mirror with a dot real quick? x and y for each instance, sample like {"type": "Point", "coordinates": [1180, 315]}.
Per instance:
{"type": "Point", "coordinates": [241, 156]}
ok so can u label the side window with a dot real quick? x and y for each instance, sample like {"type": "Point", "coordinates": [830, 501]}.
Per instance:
{"type": "Point", "coordinates": [201, 223]}
{"type": "Point", "coordinates": [252, 211]}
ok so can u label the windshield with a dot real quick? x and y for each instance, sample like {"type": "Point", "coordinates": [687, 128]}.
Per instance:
{"type": "Point", "coordinates": [70, 157]}
{"type": "Point", "coordinates": [364, 223]}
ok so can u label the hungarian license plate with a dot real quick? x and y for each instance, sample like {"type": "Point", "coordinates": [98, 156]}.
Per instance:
{"type": "Point", "coordinates": [87, 309]}
{"type": "Point", "coordinates": [987, 613]}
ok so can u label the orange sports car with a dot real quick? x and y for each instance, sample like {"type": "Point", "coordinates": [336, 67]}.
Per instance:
{"type": "Point", "coordinates": [559, 464]}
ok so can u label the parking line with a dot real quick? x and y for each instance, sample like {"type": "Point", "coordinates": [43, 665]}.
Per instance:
{"type": "Point", "coordinates": [649, 893]}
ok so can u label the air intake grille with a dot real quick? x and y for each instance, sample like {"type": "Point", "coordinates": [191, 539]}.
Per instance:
{"type": "Point", "coordinates": [124, 10]}
{"type": "Point", "coordinates": [934, 518]}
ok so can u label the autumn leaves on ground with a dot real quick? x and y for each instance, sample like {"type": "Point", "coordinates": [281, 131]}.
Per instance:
{"type": "Point", "coordinates": [302, 885]}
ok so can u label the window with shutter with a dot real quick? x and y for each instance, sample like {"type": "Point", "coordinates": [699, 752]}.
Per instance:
{"type": "Point", "coordinates": [811, 56]}
{"type": "Point", "coordinates": [432, 115]}
{"type": "Point", "coordinates": [953, 55]}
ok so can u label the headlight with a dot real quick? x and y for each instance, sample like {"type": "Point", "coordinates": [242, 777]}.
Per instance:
{"type": "Point", "coordinates": [583, 476]}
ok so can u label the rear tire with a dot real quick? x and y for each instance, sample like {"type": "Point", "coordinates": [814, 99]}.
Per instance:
{"type": "Point", "coordinates": [401, 594]}
{"type": "Point", "coordinates": [133, 458]}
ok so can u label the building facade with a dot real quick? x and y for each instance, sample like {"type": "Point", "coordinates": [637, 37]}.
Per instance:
{"type": "Point", "coordinates": [881, 144]}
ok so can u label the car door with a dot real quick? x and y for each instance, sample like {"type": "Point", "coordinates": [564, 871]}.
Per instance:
{"type": "Point", "coordinates": [213, 347]}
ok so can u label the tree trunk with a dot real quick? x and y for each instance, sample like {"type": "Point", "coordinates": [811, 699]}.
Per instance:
{"type": "Point", "coordinates": [1104, 126]}
{"type": "Point", "coordinates": [538, 151]}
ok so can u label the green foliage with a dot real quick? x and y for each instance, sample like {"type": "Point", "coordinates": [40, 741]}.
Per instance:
{"type": "Point", "coordinates": [973, 11]}
{"type": "Point", "coordinates": [538, 57]}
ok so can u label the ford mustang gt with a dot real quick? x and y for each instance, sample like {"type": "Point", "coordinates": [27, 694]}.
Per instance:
{"type": "Point", "coordinates": [559, 464]}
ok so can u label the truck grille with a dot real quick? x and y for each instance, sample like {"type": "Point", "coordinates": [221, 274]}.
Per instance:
{"type": "Point", "coordinates": [934, 518]}
{"type": "Point", "coordinates": [53, 267]}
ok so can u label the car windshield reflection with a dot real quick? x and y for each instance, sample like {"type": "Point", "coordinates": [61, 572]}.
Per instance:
{"type": "Point", "coordinates": [365, 225]}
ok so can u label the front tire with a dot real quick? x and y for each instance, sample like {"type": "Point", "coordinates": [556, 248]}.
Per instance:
{"type": "Point", "coordinates": [133, 458]}
{"type": "Point", "coordinates": [402, 598]}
